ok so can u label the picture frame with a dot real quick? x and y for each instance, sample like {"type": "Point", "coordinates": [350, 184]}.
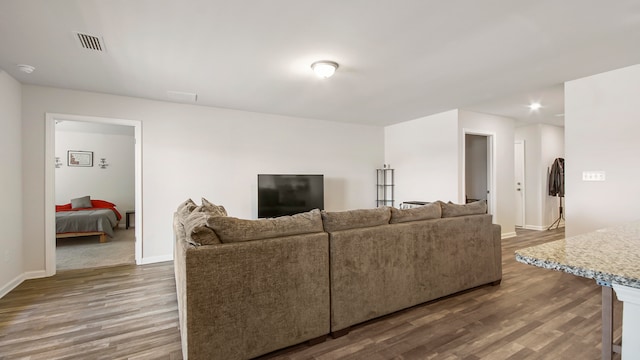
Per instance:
{"type": "Point", "coordinates": [79, 158]}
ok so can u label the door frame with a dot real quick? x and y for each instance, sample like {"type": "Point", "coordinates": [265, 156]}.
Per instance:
{"type": "Point", "coordinates": [491, 169]}
{"type": "Point", "coordinates": [524, 187]}
{"type": "Point", "coordinates": [50, 187]}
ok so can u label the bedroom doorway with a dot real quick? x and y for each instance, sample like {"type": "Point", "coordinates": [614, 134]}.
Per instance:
{"type": "Point", "coordinates": [111, 151]}
{"type": "Point", "coordinates": [478, 168]}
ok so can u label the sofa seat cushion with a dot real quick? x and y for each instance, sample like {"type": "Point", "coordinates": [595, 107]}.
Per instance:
{"type": "Point", "coordinates": [454, 210]}
{"type": "Point", "coordinates": [354, 219]}
{"type": "Point", "coordinates": [425, 212]}
{"type": "Point", "coordinates": [231, 229]}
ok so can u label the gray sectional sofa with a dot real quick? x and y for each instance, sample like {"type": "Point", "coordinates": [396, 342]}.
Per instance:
{"type": "Point", "coordinates": [249, 287]}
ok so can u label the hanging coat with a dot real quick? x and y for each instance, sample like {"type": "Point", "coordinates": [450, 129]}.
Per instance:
{"type": "Point", "coordinates": [556, 178]}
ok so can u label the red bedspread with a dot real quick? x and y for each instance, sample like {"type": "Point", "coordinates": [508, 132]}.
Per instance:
{"type": "Point", "coordinates": [95, 204]}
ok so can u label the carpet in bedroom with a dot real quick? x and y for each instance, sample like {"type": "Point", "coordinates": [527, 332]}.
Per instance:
{"type": "Point", "coordinates": [87, 251]}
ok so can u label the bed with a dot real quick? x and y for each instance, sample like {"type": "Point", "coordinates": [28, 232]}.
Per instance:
{"type": "Point", "coordinates": [86, 217]}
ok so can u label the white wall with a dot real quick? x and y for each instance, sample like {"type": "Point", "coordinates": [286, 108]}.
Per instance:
{"type": "Point", "coordinates": [115, 183]}
{"type": "Point", "coordinates": [602, 127]}
{"type": "Point", "coordinates": [11, 253]}
{"type": "Point", "coordinates": [503, 130]}
{"type": "Point", "coordinates": [543, 144]}
{"type": "Point", "coordinates": [427, 154]}
{"type": "Point", "coordinates": [424, 154]}
{"type": "Point", "coordinates": [194, 151]}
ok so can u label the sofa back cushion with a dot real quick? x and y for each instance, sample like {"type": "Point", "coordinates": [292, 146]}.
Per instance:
{"type": "Point", "coordinates": [230, 229]}
{"type": "Point", "coordinates": [353, 219]}
{"type": "Point", "coordinates": [425, 212]}
{"type": "Point", "coordinates": [454, 210]}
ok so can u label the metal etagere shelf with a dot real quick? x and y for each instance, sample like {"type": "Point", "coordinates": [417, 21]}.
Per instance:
{"type": "Point", "coordinates": [384, 186]}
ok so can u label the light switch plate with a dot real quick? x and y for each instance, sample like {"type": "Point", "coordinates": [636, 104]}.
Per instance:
{"type": "Point", "coordinates": [593, 176]}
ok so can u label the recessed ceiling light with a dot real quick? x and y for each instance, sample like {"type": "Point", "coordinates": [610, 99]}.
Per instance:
{"type": "Point", "coordinates": [26, 68]}
{"type": "Point", "coordinates": [535, 106]}
{"type": "Point", "coordinates": [324, 68]}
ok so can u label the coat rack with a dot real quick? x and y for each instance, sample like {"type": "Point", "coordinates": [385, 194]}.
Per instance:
{"type": "Point", "coordinates": [556, 188]}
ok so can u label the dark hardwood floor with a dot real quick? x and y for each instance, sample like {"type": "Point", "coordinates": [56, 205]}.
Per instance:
{"type": "Point", "coordinates": [130, 312]}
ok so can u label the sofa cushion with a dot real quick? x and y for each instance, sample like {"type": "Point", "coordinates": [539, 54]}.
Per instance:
{"type": "Point", "coordinates": [230, 229]}
{"type": "Point", "coordinates": [354, 219]}
{"type": "Point", "coordinates": [184, 209]}
{"type": "Point", "coordinates": [218, 210]}
{"type": "Point", "coordinates": [453, 210]}
{"type": "Point", "coordinates": [424, 212]}
{"type": "Point", "coordinates": [197, 232]}
{"type": "Point", "coordinates": [81, 202]}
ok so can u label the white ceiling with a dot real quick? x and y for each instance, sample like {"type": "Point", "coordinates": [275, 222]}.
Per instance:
{"type": "Point", "coordinates": [399, 59]}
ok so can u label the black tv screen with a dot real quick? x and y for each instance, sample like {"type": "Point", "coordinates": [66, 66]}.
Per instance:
{"type": "Point", "coordinates": [280, 195]}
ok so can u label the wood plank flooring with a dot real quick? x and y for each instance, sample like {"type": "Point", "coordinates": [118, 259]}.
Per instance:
{"type": "Point", "coordinates": [130, 312]}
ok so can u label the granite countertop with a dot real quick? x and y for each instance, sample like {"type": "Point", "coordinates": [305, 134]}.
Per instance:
{"type": "Point", "coordinates": [611, 255]}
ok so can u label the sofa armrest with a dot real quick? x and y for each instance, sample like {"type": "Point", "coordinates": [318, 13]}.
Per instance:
{"type": "Point", "coordinates": [250, 298]}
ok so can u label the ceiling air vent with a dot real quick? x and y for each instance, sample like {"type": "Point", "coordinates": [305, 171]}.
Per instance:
{"type": "Point", "coordinates": [90, 42]}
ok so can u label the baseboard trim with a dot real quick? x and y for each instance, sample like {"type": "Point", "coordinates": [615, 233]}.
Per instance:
{"type": "Point", "coordinates": [11, 285]}
{"type": "Point", "coordinates": [20, 279]}
{"type": "Point", "coordinates": [35, 274]}
{"type": "Point", "coordinates": [508, 235]}
{"type": "Point", "coordinates": [155, 259]}
{"type": "Point", "coordinates": [539, 228]}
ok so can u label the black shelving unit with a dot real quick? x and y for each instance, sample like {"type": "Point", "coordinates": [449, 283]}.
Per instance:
{"type": "Point", "coordinates": [384, 187]}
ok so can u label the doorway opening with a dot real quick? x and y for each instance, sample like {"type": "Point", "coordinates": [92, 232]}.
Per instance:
{"type": "Point", "coordinates": [59, 186]}
{"type": "Point", "coordinates": [478, 168]}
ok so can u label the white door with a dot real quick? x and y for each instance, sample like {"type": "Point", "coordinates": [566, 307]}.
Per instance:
{"type": "Point", "coordinates": [519, 182]}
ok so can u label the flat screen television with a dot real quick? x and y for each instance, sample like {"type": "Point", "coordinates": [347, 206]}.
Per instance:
{"type": "Point", "coordinates": [282, 194]}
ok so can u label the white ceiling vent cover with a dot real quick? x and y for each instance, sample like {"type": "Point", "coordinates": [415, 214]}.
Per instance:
{"type": "Point", "coordinates": [90, 42]}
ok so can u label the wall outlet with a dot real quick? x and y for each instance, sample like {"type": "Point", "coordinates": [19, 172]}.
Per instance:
{"type": "Point", "coordinates": [593, 176]}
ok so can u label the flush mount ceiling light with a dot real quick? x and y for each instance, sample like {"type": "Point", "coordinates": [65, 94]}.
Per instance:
{"type": "Point", "coordinates": [25, 68]}
{"type": "Point", "coordinates": [324, 68]}
{"type": "Point", "coordinates": [535, 106]}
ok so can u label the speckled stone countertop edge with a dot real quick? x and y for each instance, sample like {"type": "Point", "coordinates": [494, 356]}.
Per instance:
{"type": "Point", "coordinates": [578, 271]}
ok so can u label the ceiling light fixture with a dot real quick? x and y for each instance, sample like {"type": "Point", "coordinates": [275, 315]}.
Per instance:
{"type": "Point", "coordinates": [324, 68]}
{"type": "Point", "coordinates": [535, 106]}
{"type": "Point", "coordinates": [26, 68]}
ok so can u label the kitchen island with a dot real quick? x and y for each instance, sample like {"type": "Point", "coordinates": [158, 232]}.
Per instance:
{"type": "Point", "coordinates": [611, 257]}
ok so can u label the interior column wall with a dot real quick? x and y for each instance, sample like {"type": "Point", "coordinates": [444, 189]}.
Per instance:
{"type": "Point", "coordinates": [601, 124]}
{"type": "Point", "coordinates": [11, 215]}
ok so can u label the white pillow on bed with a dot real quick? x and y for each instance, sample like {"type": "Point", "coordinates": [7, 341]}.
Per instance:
{"type": "Point", "coordinates": [81, 202]}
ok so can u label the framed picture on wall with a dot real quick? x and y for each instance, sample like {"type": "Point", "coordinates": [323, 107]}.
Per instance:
{"type": "Point", "coordinates": [80, 158]}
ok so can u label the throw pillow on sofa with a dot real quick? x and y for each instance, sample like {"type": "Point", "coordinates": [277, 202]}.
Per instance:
{"type": "Point", "coordinates": [353, 219]}
{"type": "Point", "coordinates": [217, 210]}
{"type": "Point", "coordinates": [424, 212]}
{"type": "Point", "coordinates": [454, 210]}
{"type": "Point", "coordinates": [230, 229]}
{"type": "Point", "coordinates": [195, 227]}
{"type": "Point", "coordinates": [185, 208]}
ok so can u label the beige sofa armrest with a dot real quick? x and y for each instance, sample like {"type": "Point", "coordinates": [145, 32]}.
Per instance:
{"type": "Point", "coordinates": [249, 298]}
